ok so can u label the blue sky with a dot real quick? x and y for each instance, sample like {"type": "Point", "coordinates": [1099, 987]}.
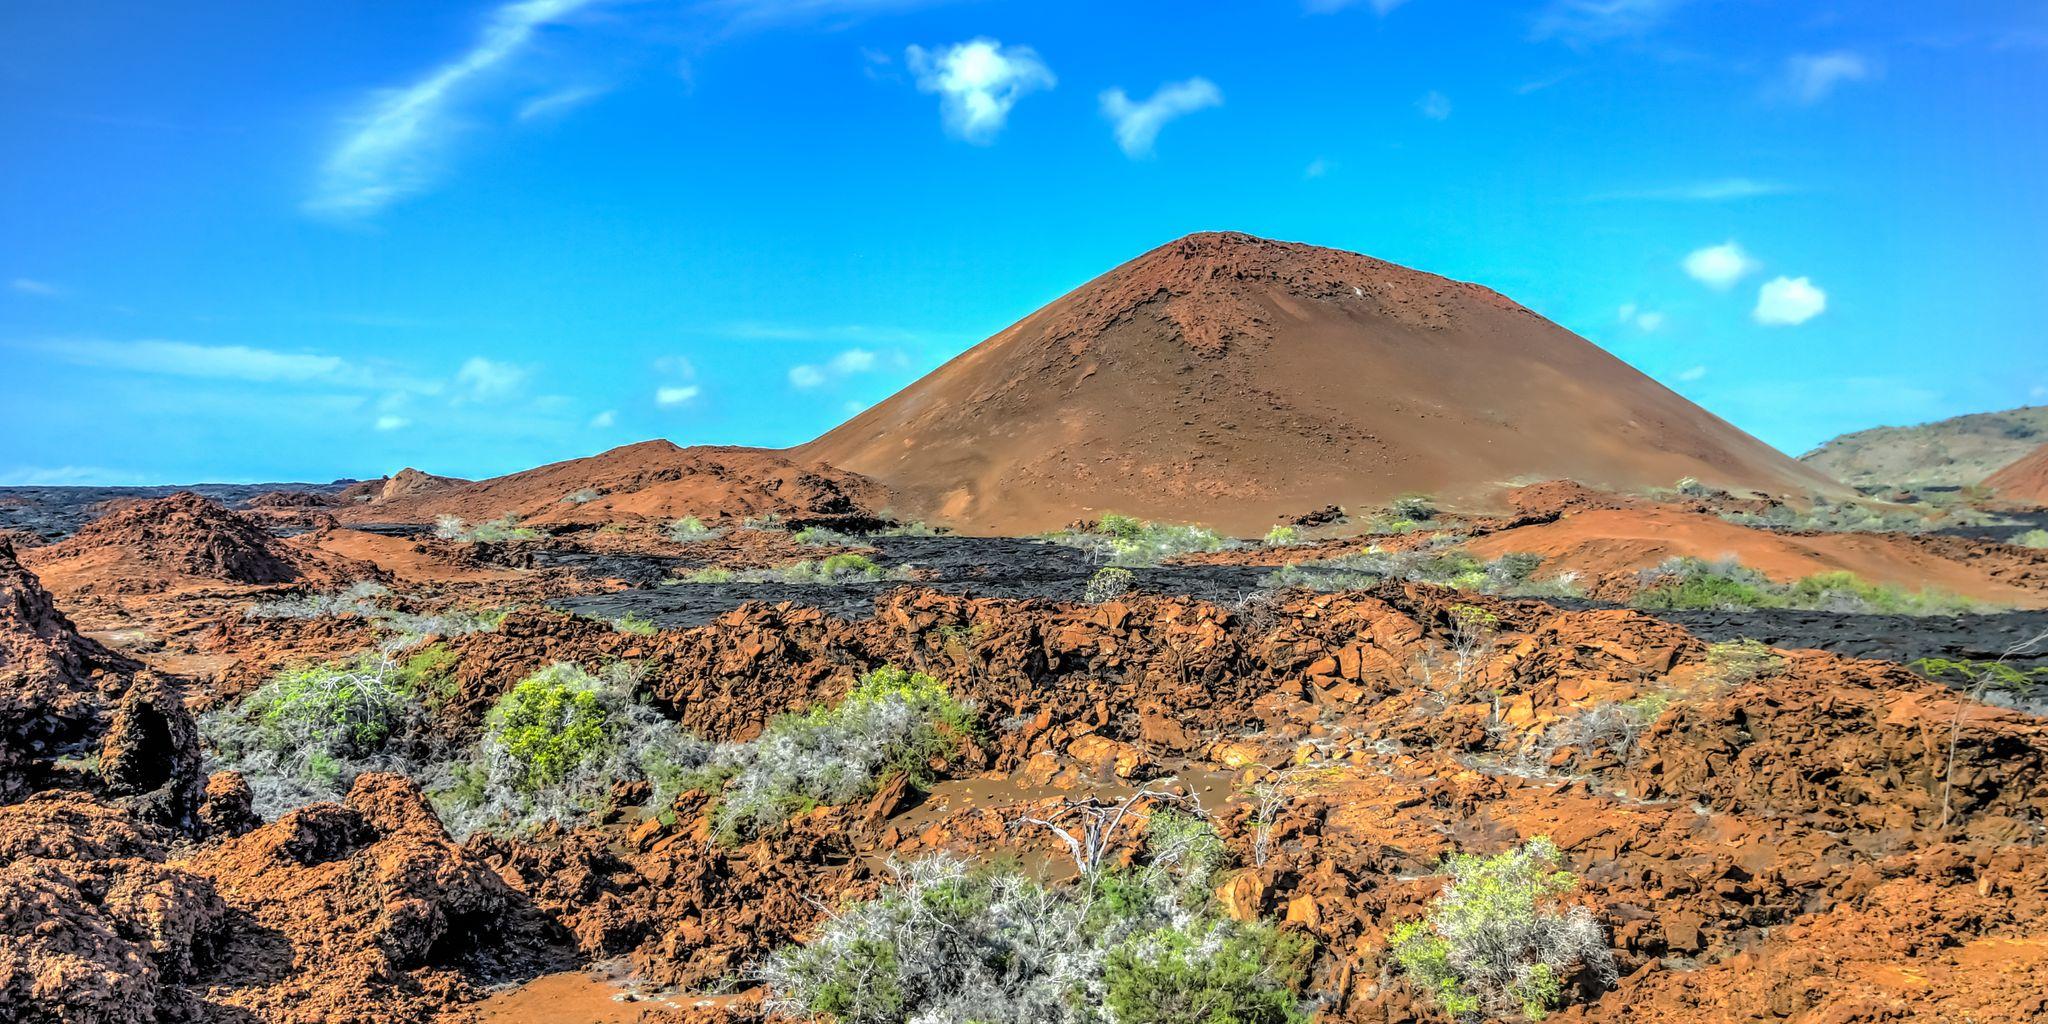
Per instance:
{"type": "Point", "coordinates": [303, 240]}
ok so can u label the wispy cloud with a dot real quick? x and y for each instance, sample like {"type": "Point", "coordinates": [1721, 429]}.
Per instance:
{"type": "Point", "coordinates": [1717, 190]}
{"type": "Point", "coordinates": [1138, 124]}
{"type": "Point", "coordinates": [488, 380]}
{"type": "Point", "coordinates": [670, 396]}
{"type": "Point", "coordinates": [220, 362]}
{"type": "Point", "coordinates": [1812, 77]}
{"type": "Point", "coordinates": [1580, 22]}
{"type": "Point", "coordinates": [978, 82]}
{"type": "Point", "coordinates": [845, 364]}
{"type": "Point", "coordinates": [31, 286]}
{"type": "Point", "coordinates": [560, 102]}
{"type": "Point", "coordinates": [1719, 266]}
{"type": "Point", "coordinates": [388, 153]}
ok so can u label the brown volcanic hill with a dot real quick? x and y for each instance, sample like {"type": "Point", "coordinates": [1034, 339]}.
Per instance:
{"type": "Point", "coordinates": [2024, 480]}
{"type": "Point", "coordinates": [652, 479]}
{"type": "Point", "coordinates": [1230, 380]}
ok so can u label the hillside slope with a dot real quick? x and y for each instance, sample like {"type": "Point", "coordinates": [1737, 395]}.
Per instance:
{"type": "Point", "coordinates": [1955, 452]}
{"type": "Point", "coordinates": [1232, 380]}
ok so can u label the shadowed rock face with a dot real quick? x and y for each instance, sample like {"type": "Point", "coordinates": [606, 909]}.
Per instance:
{"type": "Point", "coordinates": [1235, 381]}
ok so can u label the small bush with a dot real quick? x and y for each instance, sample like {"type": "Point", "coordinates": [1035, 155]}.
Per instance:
{"type": "Point", "coordinates": [1282, 536]}
{"type": "Point", "coordinates": [1740, 661]}
{"type": "Point", "coordinates": [1125, 540]}
{"type": "Point", "coordinates": [819, 536]}
{"type": "Point", "coordinates": [554, 745]}
{"type": "Point", "coordinates": [1495, 943]}
{"type": "Point", "coordinates": [497, 531]}
{"type": "Point", "coordinates": [1209, 972]}
{"type": "Point", "coordinates": [636, 624]}
{"type": "Point", "coordinates": [690, 530]}
{"type": "Point", "coordinates": [1108, 584]}
{"type": "Point", "coordinates": [891, 723]}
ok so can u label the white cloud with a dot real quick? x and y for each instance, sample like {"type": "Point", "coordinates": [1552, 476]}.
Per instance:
{"type": "Point", "coordinates": [31, 286]}
{"type": "Point", "coordinates": [1693, 374]}
{"type": "Point", "coordinates": [1580, 22]}
{"type": "Point", "coordinates": [384, 158]}
{"type": "Point", "coordinates": [1316, 168]}
{"type": "Point", "coordinates": [1641, 319]}
{"type": "Point", "coordinates": [604, 419]}
{"type": "Point", "coordinates": [487, 379]}
{"type": "Point", "coordinates": [1716, 190]}
{"type": "Point", "coordinates": [1787, 301]}
{"type": "Point", "coordinates": [560, 101]}
{"type": "Point", "coordinates": [1812, 77]}
{"type": "Point", "coordinates": [804, 375]}
{"type": "Point", "coordinates": [675, 395]}
{"type": "Point", "coordinates": [227, 362]}
{"type": "Point", "coordinates": [392, 423]}
{"type": "Point", "coordinates": [1720, 266]}
{"type": "Point", "coordinates": [1434, 105]}
{"type": "Point", "coordinates": [1138, 124]}
{"type": "Point", "coordinates": [978, 83]}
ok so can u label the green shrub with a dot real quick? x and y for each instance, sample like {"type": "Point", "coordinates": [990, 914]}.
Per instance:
{"type": "Point", "coordinates": [891, 723]}
{"type": "Point", "coordinates": [1496, 943]}
{"type": "Point", "coordinates": [1108, 584]}
{"type": "Point", "coordinates": [690, 530]}
{"type": "Point", "coordinates": [553, 747]}
{"type": "Point", "coordinates": [1282, 536]}
{"type": "Point", "coordinates": [1209, 973]}
{"type": "Point", "coordinates": [1740, 661]}
{"type": "Point", "coordinates": [636, 624]}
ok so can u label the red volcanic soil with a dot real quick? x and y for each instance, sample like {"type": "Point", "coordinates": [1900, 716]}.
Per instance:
{"type": "Point", "coordinates": [169, 542]}
{"type": "Point", "coordinates": [1607, 547]}
{"type": "Point", "coordinates": [1235, 381]}
{"type": "Point", "coordinates": [652, 479]}
{"type": "Point", "coordinates": [2024, 480]}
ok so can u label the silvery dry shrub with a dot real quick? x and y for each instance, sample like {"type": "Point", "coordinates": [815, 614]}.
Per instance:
{"type": "Point", "coordinates": [554, 745]}
{"type": "Point", "coordinates": [305, 735]}
{"type": "Point", "coordinates": [891, 722]}
{"type": "Point", "coordinates": [1495, 943]}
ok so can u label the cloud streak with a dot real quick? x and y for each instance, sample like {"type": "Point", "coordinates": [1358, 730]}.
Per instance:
{"type": "Point", "coordinates": [387, 155]}
{"type": "Point", "coordinates": [1138, 124]}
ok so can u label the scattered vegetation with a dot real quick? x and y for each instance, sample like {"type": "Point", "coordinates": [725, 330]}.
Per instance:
{"type": "Point", "coordinates": [1441, 562]}
{"type": "Point", "coordinates": [820, 536]}
{"type": "Point", "coordinates": [690, 530]}
{"type": "Point", "coordinates": [1139, 945]}
{"type": "Point", "coordinates": [555, 744]}
{"type": "Point", "coordinates": [1495, 944]}
{"type": "Point", "coordinates": [305, 735]}
{"type": "Point", "coordinates": [1741, 661]}
{"type": "Point", "coordinates": [497, 531]}
{"type": "Point", "coordinates": [891, 723]}
{"type": "Point", "coordinates": [845, 567]}
{"type": "Point", "coordinates": [1124, 540]}
{"type": "Point", "coordinates": [1108, 584]}
{"type": "Point", "coordinates": [1726, 585]}
{"type": "Point", "coordinates": [1282, 536]}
